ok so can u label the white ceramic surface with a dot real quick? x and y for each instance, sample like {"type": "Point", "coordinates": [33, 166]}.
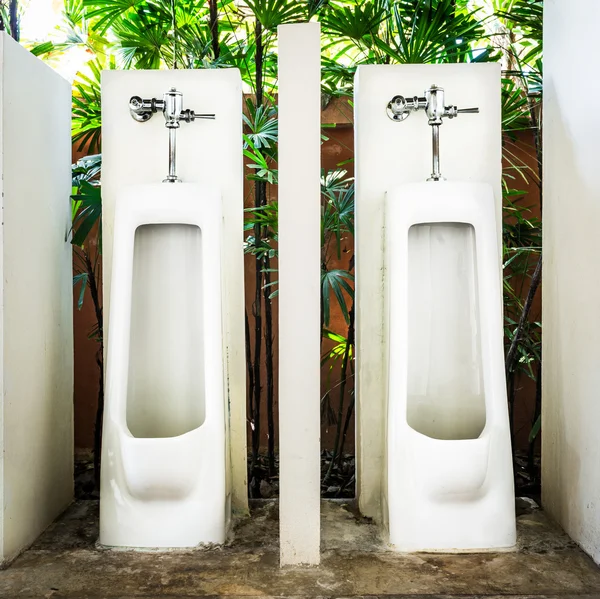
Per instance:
{"type": "Point", "coordinates": [449, 467]}
{"type": "Point", "coordinates": [163, 454]}
{"type": "Point", "coordinates": [36, 298]}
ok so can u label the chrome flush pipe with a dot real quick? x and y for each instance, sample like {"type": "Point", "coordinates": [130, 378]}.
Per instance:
{"type": "Point", "coordinates": [172, 176]}
{"type": "Point", "coordinates": [435, 111]}
{"type": "Point", "coordinates": [399, 108]}
{"type": "Point", "coordinates": [171, 105]}
{"type": "Point", "coordinates": [436, 175]}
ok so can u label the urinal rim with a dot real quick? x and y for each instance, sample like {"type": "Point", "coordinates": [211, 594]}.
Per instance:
{"type": "Point", "coordinates": [123, 428]}
{"type": "Point", "coordinates": [140, 208]}
{"type": "Point", "coordinates": [485, 434]}
{"type": "Point", "coordinates": [449, 186]}
{"type": "Point", "coordinates": [475, 222]}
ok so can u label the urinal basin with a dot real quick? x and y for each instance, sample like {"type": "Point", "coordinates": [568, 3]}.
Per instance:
{"type": "Point", "coordinates": [449, 466]}
{"type": "Point", "coordinates": [163, 479]}
{"type": "Point", "coordinates": [167, 468]}
{"type": "Point", "coordinates": [449, 469]}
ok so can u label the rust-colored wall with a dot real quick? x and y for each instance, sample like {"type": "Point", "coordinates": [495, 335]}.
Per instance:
{"type": "Point", "coordinates": [338, 149]}
{"type": "Point", "coordinates": [86, 372]}
{"type": "Point", "coordinates": [86, 349]}
{"type": "Point", "coordinates": [523, 151]}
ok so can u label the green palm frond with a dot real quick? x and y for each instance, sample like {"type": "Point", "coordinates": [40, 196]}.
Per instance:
{"type": "Point", "coordinates": [82, 280]}
{"type": "Point", "coordinates": [433, 31]}
{"type": "Point", "coordinates": [337, 79]}
{"type": "Point", "coordinates": [272, 13]}
{"type": "Point", "coordinates": [339, 349]}
{"type": "Point", "coordinates": [86, 169]}
{"type": "Point", "coordinates": [87, 112]}
{"type": "Point", "coordinates": [515, 107]}
{"type": "Point", "coordinates": [336, 282]}
{"type": "Point", "coordinates": [109, 12]}
{"type": "Point", "coordinates": [528, 16]}
{"type": "Point", "coordinates": [88, 200]}
{"type": "Point", "coordinates": [337, 218]}
{"type": "Point", "coordinates": [266, 216]}
{"type": "Point", "coordinates": [262, 125]}
{"type": "Point", "coordinates": [262, 169]}
{"type": "Point", "coordinates": [76, 30]}
{"type": "Point", "coordinates": [143, 46]}
{"type": "Point", "coordinates": [359, 21]}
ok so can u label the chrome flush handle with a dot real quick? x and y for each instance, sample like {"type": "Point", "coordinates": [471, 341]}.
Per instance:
{"type": "Point", "coordinates": [171, 106]}
{"type": "Point", "coordinates": [399, 109]}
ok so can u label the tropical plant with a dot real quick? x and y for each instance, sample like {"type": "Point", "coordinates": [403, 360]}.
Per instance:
{"type": "Point", "coordinates": [86, 238]}
{"type": "Point", "coordinates": [10, 18]}
{"type": "Point", "coordinates": [337, 227]}
{"type": "Point", "coordinates": [398, 32]}
{"type": "Point", "coordinates": [522, 43]}
{"type": "Point", "coordinates": [261, 128]}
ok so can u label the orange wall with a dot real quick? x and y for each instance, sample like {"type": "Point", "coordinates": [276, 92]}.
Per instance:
{"type": "Point", "coordinates": [336, 150]}
{"type": "Point", "coordinates": [524, 151]}
{"type": "Point", "coordinates": [86, 368]}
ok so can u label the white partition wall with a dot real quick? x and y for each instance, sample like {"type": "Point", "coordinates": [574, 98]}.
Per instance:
{"type": "Point", "coordinates": [210, 152]}
{"type": "Point", "coordinates": [389, 154]}
{"type": "Point", "coordinates": [299, 292]}
{"type": "Point", "coordinates": [571, 273]}
{"type": "Point", "coordinates": [36, 329]}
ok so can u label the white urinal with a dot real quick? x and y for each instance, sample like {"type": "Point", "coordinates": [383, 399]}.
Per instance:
{"type": "Point", "coordinates": [449, 464]}
{"type": "Point", "coordinates": [163, 455]}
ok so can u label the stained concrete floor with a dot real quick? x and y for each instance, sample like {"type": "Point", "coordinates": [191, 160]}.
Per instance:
{"type": "Point", "coordinates": [65, 562]}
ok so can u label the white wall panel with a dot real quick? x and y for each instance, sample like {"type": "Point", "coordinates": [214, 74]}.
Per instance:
{"type": "Point", "coordinates": [36, 435]}
{"type": "Point", "coordinates": [571, 273]}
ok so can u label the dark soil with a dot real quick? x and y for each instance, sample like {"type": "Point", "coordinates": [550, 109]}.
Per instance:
{"type": "Point", "coordinates": [85, 485]}
{"type": "Point", "coordinates": [527, 476]}
{"type": "Point", "coordinates": [339, 483]}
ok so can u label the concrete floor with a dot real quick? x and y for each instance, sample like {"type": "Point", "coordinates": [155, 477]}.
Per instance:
{"type": "Point", "coordinates": [65, 562]}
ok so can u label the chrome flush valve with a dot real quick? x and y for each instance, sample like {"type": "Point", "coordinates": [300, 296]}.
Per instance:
{"type": "Point", "coordinates": [171, 106]}
{"type": "Point", "coordinates": [399, 108]}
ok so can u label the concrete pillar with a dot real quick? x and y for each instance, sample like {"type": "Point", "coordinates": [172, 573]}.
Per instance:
{"type": "Point", "coordinates": [36, 303]}
{"type": "Point", "coordinates": [571, 272]}
{"type": "Point", "coordinates": [299, 292]}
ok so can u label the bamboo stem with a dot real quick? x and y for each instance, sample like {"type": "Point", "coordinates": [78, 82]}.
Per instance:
{"type": "Point", "coordinates": [269, 366]}
{"type": "Point", "coordinates": [259, 201]}
{"type": "Point", "coordinates": [214, 28]}
{"type": "Point", "coordinates": [343, 379]}
{"type": "Point", "coordinates": [95, 294]}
